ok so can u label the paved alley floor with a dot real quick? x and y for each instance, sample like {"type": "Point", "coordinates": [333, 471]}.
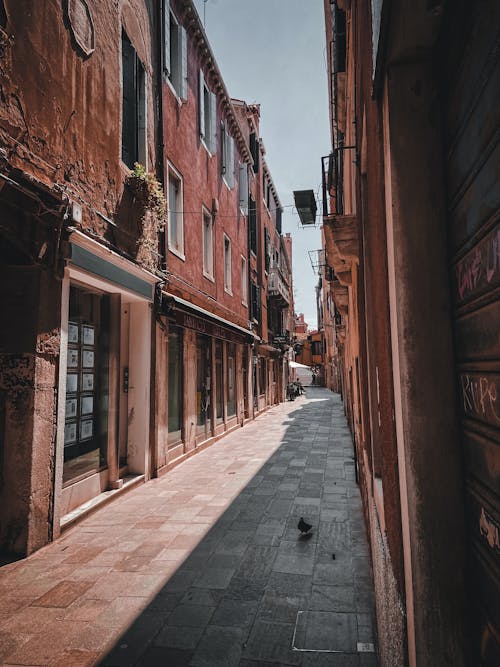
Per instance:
{"type": "Point", "coordinates": [205, 566]}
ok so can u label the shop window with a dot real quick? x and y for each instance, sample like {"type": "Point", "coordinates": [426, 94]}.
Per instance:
{"type": "Point", "coordinates": [262, 376]}
{"type": "Point", "coordinates": [227, 156]}
{"type": "Point", "coordinates": [133, 106]}
{"type": "Point", "coordinates": [87, 384]}
{"type": "Point", "coordinates": [219, 382]}
{"type": "Point", "coordinates": [203, 383]}
{"type": "Point", "coordinates": [175, 213]}
{"type": "Point", "coordinates": [244, 281]}
{"type": "Point", "coordinates": [174, 52]}
{"type": "Point", "coordinates": [208, 245]}
{"type": "Point", "coordinates": [207, 111]}
{"type": "Point", "coordinates": [231, 379]}
{"type": "Point", "coordinates": [227, 265]}
{"type": "Point", "coordinates": [175, 386]}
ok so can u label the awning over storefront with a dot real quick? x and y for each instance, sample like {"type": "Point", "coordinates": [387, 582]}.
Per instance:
{"type": "Point", "coordinates": [96, 264]}
{"type": "Point", "coordinates": [295, 364]}
{"type": "Point", "coordinates": [189, 315]}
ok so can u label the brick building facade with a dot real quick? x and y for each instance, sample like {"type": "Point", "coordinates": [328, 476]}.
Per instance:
{"type": "Point", "coordinates": [128, 339]}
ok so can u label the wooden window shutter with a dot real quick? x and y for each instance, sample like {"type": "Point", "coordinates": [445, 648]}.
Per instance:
{"type": "Point", "coordinates": [243, 187]}
{"type": "Point", "coordinates": [223, 147]}
{"type": "Point", "coordinates": [201, 104]}
{"type": "Point", "coordinates": [166, 36]}
{"type": "Point", "coordinates": [230, 166]}
{"type": "Point", "coordinates": [213, 121]}
{"type": "Point", "coordinates": [183, 72]}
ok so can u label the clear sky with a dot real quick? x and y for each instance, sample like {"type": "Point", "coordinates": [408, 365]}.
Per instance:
{"type": "Point", "coordinates": [272, 52]}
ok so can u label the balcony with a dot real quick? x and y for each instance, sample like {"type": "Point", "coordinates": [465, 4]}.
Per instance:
{"type": "Point", "coordinates": [342, 244]}
{"type": "Point", "coordinates": [277, 289]}
{"type": "Point", "coordinates": [340, 296]}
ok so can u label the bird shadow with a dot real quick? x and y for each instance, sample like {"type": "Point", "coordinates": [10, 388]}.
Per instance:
{"type": "Point", "coordinates": [305, 537]}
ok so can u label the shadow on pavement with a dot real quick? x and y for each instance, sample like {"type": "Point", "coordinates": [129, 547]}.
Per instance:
{"type": "Point", "coordinates": [235, 600]}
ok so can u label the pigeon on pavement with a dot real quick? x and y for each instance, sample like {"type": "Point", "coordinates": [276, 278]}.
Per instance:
{"type": "Point", "coordinates": [303, 526]}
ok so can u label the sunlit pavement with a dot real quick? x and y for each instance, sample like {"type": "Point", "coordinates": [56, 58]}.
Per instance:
{"type": "Point", "coordinates": [205, 566]}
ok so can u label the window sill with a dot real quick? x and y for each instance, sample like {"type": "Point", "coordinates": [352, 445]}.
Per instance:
{"type": "Point", "coordinates": [205, 146]}
{"type": "Point", "coordinates": [177, 253]}
{"type": "Point", "coordinates": [179, 99]}
{"type": "Point", "coordinates": [228, 291]}
{"type": "Point", "coordinates": [209, 277]}
{"type": "Point", "coordinates": [226, 183]}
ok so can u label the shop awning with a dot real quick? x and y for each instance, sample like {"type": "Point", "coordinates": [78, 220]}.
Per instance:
{"type": "Point", "coordinates": [187, 306]}
{"type": "Point", "coordinates": [295, 364]}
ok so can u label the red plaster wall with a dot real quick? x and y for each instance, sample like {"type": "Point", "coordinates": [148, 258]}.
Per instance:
{"type": "Point", "coordinates": [60, 116]}
{"type": "Point", "coordinates": [202, 183]}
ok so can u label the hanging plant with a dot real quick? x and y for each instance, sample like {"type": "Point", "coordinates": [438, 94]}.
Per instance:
{"type": "Point", "coordinates": [148, 190]}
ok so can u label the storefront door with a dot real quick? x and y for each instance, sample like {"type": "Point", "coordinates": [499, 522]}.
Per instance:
{"type": "Point", "coordinates": [87, 384]}
{"type": "Point", "coordinates": [203, 385]}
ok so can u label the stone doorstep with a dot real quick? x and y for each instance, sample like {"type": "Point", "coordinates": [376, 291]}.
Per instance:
{"type": "Point", "coordinates": [91, 506]}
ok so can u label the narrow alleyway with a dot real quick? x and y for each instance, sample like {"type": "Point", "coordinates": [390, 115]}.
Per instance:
{"type": "Point", "coordinates": [205, 566]}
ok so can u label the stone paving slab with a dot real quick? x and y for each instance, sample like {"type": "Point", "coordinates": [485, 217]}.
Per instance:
{"type": "Point", "coordinates": [205, 566]}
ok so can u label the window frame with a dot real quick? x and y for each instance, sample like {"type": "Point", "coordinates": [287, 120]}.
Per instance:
{"type": "Point", "coordinates": [228, 275]}
{"type": "Point", "coordinates": [243, 189]}
{"type": "Point", "coordinates": [175, 75]}
{"type": "Point", "coordinates": [139, 95]}
{"type": "Point", "coordinates": [244, 281]}
{"type": "Point", "coordinates": [206, 214]}
{"type": "Point", "coordinates": [227, 167]}
{"type": "Point", "coordinates": [171, 170]}
{"type": "Point", "coordinates": [207, 115]}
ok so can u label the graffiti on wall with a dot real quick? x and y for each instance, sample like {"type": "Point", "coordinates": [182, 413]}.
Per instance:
{"type": "Point", "coordinates": [480, 268]}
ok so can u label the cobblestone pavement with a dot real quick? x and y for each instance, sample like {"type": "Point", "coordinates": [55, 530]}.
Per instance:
{"type": "Point", "coordinates": [206, 567]}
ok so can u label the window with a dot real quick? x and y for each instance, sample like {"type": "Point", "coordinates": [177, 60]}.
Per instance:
{"type": "Point", "coordinates": [227, 265]}
{"type": "Point", "coordinates": [262, 376]}
{"type": "Point", "coordinates": [255, 151]}
{"type": "Point", "coordinates": [174, 51]}
{"type": "Point", "coordinates": [231, 380]}
{"type": "Point", "coordinates": [207, 116]}
{"type": "Point", "coordinates": [266, 190]}
{"type": "Point", "coordinates": [175, 215]}
{"type": "Point", "coordinates": [279, 214]}
{"type": "Point", "coordinates": [243, 188]}
{"type": "Point", "coordinates": [267, 249]}
{"type": "Point", "coordinates": [133, 106]}
{"type": "Point", "coordinates": [208, 245]}
{"type": "Point", "coordinates": [254, 302]}
{"type": "Point", "coordinates": [316, 347]}
{"type": "Point", "coordinates": [227, 156]}
{"type": "Point", "coordinates": [244, 281]}
{"type": "Point", "coordinates": [175, 386]}
{"type": "Point", "coordinates": [252, 225]}
{"type": "Point", "coordinates": [87, 383]}
{"type": "Point", "coordinates": [219, 382]}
